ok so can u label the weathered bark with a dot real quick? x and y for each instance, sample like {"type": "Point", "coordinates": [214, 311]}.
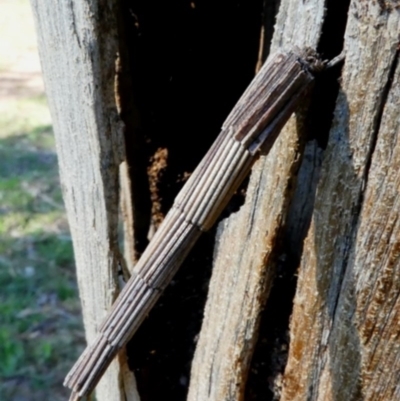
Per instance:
{"type": "Point", "coordinates": [344, 330]}
{"type": "Point", "coordinates": [78, 48]}
{"type": "Point", "coordinates": [245, 257]}
{"type": "Point", "coordinates": [344, 341]}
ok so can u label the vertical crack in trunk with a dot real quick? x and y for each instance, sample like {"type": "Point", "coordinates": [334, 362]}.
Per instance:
{"type": "Point", "coordinates": [270, 355]}
{"type": "Point", "coordinates": [378, 121]}
{"type": "Point", "coordinates": [177, 64]}
{"type": "Point", "coordinates": [137, 153]}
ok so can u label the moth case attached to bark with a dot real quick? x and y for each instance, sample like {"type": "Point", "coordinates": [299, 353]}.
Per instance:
{"type": "Point", "coordinates": [250, 129]}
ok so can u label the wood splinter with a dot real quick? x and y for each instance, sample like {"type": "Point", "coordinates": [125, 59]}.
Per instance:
{"type": "Point", "coordinates": [250, 130]}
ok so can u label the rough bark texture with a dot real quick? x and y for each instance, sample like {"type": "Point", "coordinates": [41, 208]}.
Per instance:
{"type": "Point", "coordinates": [247, 242]}
{"type": "Point", "coordinates": [344, 330]}
{"type": "Point", "coordinates": [344, 336]}
{"type": "Point", "coordinates": [78, 47]}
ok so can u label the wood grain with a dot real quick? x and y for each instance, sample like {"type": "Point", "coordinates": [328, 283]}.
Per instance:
{"type": "Point", "coordinates": [245, 257]}
{"type": "Point", "coordinates": [251, 128]}
{"type": "Point", "coordinates": [344, 330]}
{"type": "Point", "coordinates": [78, 46]}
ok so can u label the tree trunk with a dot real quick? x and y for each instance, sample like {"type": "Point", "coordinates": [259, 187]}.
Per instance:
{"type": "Point", "coordinates": [78, 44]}
{"type": "Point", "coordinates": [132, 84]}
{"type": "Point", "coordinates": [344, 328]}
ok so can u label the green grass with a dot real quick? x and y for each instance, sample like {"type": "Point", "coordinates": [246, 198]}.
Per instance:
{"type": "Point", "coordinates": [41, 332]}
{"type": "Point", "coordinates": [40, 326]}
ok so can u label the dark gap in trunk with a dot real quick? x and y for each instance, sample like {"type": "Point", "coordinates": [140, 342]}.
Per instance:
{"type": "Point", "coordinates": [270, 356]}
{"type": "Point", "coordinates": [327, 86]}
{"type": "Point", "coordinates": [189, 63]}
{"type": "Point", "coordinates": [271, 8]}
{"type": "Point", "coordinates": [137, 152]}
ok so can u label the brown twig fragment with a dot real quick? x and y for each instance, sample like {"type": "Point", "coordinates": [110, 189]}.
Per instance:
{"type": "Point", "coordinates": [250, 129]}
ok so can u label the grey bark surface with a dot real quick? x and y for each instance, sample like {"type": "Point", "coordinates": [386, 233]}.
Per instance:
{"type": "Point", "coordinates": [254, 123]}
{"type": "Point", "coordinates": [344, 335]}
{"type": "Point", "coordinates": [244, 258]}
{"type": "Point", "coordinates": [78, 48]}
{"type": "Point", "coordinates": [344, 330]}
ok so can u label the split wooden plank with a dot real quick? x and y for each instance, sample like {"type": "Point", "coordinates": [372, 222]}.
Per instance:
{"type": "Point", "coordinates": [344, 330]}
